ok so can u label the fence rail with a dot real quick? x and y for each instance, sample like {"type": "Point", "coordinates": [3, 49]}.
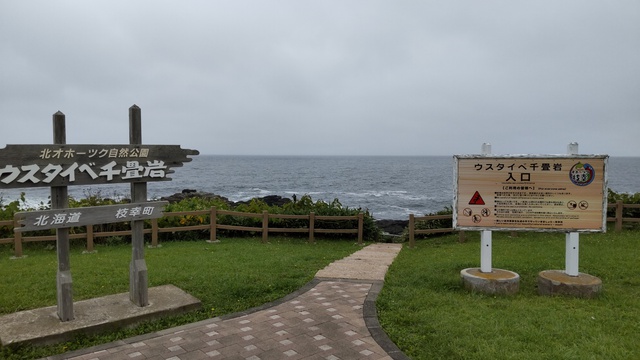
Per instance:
{"type": "Point", "coordinates": [618, 219]}
{"type": "Point", "coordinates": [311, 229]}
{"type": "Point", "coordinates": [213, 226]}
{"type": "Point", "coordinates": [413, 231]}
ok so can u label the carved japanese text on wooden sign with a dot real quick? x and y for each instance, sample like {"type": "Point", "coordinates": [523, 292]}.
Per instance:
{"type": "Point", "coordinates": [62, 165]}
{"type": "Point", "coordinates": [65, 218]}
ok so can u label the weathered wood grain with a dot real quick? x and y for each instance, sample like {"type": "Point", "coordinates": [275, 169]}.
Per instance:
{"type": "Point", "coordinates": [75, 217]}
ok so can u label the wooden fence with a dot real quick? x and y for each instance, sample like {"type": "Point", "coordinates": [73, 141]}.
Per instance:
{"type": "Point", "coordinates": [413, 231]}
{"type": "Point", "coordinates": [618, 219]}
{"type": "Point", "coordinates": [213, 226]}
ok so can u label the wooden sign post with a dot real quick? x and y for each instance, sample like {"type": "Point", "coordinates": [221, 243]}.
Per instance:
{"type": "Point", "coordinates": [138, 278]}
{"type": "Point", "coordinates": [60, 165]}
{"type": "Point", "coordinates": [60, 200]}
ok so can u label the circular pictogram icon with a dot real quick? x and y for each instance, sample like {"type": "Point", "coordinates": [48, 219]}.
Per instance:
{"type": "Point", "coordinates": [582, 174]}
{"type": "Point", "coordinates": [467, 212]}
{"type": "Point", "coordinates": [476, 219]}
{"type": "Point", "coordinates": [485, 212]}
{"type": "Point", "coordinates": [572, 204]}
{"type": "Point", "coordinates": [584, 205]}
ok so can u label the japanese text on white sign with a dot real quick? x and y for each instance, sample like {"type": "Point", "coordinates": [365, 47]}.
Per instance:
{"type": "Point", "coordinates": [531, 193]}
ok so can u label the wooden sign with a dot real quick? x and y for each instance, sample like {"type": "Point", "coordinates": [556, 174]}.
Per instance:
{"type": "Point", "coordinates": [62, 165]}
{"type": "Point", "coordinates": [539, 193]}
{"type": "Point", "coordinates": [66, 218]}
{"type": "Point", "coordinates": [59, 165]}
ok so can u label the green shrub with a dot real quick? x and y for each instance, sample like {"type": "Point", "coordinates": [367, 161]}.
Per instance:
{"type": "Point", "coordinates": [304, 206]}
{"type": "Point", "coordinates": [8, 211]}
{"type": "Point", "coordinates": [96, 198]}
{"type": "Point", "coordinates": [626, 198]}
{"type": "Point", "coordinates": [189, 204]}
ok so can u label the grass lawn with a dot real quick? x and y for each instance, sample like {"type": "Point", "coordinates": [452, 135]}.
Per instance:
{"type": "Point", "coordinates": [428, 315]}
{"type": "Point", "coordinates": [234, 275]}
{"type": "Point", "coordinates": [422, 306]}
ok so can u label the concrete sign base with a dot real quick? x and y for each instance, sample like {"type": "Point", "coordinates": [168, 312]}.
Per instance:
{"type": "Point", "coordinates": [557, 282]}
{"type": "Point", "coordinates": [498, 281]}
{"type": "Point", "coordinates": [43, 327]}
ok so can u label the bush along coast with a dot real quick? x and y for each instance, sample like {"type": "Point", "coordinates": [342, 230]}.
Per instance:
{"type": "Point", "coordinates": [192, 200]}
{"type": "Point", "coordinates": [276, 204]}
{"type": "Point", "coordinates": [189, 200]}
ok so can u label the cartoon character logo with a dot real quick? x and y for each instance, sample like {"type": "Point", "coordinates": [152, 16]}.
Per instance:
{"type": "Point", "coordinates": [582, 174]}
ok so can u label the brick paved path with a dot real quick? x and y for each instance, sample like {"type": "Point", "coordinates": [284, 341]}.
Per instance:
{"type": "Point", "coordinates": [327, 319]}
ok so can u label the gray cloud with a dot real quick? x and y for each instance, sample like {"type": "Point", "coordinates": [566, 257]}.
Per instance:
{"type": "Point", "coordinates": [329, 77]}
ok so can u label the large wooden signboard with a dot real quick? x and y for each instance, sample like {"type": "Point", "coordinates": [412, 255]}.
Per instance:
{"type": "Point", "coordinates": [23, 166]}
{"type": "Point", "coordinates": [60, 165]}
{"type": "Point", "coordinates": [539, 193]}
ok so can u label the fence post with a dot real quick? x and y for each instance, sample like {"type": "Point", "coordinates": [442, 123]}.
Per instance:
{"type": "Point", "coordinates": [360, 228]}
{"type": "Point", "coordinates": [412, 240]}
{"type": "Point", "coordinates": [312, 225]}
{"type": "Point", "coordinates": [265, 226]}
{"type": "Point", "coordinates": [213, 222]}
{"type": "Point", "coordinates": [89, 238]}
{"type": "Point", "coordinates": [17, 238]}
{"type": "Point", "coordinates": [154, 233]}
{"type": "Point", "coordinates": [619, 215]}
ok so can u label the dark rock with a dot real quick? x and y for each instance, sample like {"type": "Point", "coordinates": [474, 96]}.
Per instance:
{"type": "Point", "coordinates": [270, 200]}
{"type": "Point", "coordinates": [395, 227]}
{"type": "Point", "coordinates": [275, 200]}
{"type": "Point", "coordinates": [177, 197]}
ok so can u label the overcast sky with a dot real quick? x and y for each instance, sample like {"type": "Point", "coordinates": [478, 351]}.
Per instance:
{"type": "Point", "coordinates": [326, 77]}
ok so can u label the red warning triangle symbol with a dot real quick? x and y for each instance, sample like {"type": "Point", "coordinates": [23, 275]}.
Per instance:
{"type": "Point", "coordinates": [476, 199]}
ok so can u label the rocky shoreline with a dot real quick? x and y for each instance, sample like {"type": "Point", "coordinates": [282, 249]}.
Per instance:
{"type": "Point", "coordinates": [393, 227]}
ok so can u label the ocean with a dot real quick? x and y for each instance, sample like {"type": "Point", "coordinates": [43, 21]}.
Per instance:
{"type": "Point", "coordinates": [390, 187]}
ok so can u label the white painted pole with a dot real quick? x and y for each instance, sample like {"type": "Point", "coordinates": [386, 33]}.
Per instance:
{"type": "Point", "coordinates": [485, 235]}
{"type": "Point", "coordinates": [485, 252]}
{"type": "Point", "coordinates": [572, 250]}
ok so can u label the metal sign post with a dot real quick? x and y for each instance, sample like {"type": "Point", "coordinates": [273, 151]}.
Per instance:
{"type": "Point", "coordinates": [486, 239]}
{"type": "Point", "coordinates": [572, 251]}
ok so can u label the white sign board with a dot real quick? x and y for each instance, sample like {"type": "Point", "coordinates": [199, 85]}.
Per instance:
{"type": "Point", "coordinates": [534, 193]}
